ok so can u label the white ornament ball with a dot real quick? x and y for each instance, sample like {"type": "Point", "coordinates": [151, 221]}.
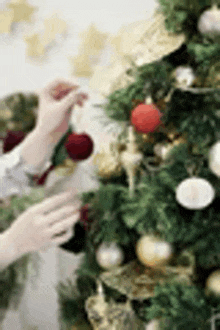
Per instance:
{"type": "Point", "coordinates": [214, 159]}
{"type": "Point", "coordinates": [109, 255]}
{"type": "Point", "coordinates": [161, 150]}
{"type": "Point", "coordinates": [152, 251]}
{"type": "Point", "coordinates": [213, 283]}
{"type": "Point", "coordinates": [184, 76]}
{"type": "Point", "coordinates": [209, 22]}
{"type": "Point", "coordinates": [152, 325]}
{"type": "Point", "coordinates": [195, 193]}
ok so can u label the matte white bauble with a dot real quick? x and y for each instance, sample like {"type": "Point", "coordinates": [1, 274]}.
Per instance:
{"type": "Point", "coordinates": [195, 193]}
{"type": "Point", "coordinates": [214, 159]}
{"type": "Point", "coordinates": [109, 255]}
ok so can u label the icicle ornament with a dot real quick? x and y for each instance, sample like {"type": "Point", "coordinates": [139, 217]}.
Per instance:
{"type": "Point", "coordinates": [131, 160]}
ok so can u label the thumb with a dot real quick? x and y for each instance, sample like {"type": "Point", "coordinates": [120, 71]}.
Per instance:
{"type": "Point", "coordinates": [68, 101]}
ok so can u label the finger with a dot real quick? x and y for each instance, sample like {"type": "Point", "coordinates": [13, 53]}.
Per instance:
{"type": "Point", "coordinates": [69, 222]}
{"type": "Point", "coordinates": [55, 201]}
{"type": "Point", "coordinates": [64, 238]}
{"type": "Point", "coordinates": [46, 91]}
{"type": "Point", "coordinates": [68, 101]}
{"type": "Point", "coordinates": [60, 214]}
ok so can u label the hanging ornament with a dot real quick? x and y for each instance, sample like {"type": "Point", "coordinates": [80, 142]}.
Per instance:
{"type": "Point", "coordinates": [214, 159]}
{"type": "Point", "coordinates": [153, 325]}
{"type": "Point", "coordinates": [161, 150]}
{"type": "Point", "coordinates": [109, 255]}
{"type": "Point", "coordinates": [35, 47]}
{"type": "Point", "coordinates": [6, 19]}
{"type": "Point", "coordinates": [195, 193]}
{"type": "Point", "coordinates": [111, 315]}
{"type": "Point", "coordinates": [153, 251]}
{"type": "Point", "coordinates": [209, 22]}
{"type": "Point", "coordinates": [131, 160]}
{"type": "Point", "coordinates": [146, 117]}
{"type": "Point", "coordinates": [79, 146]}
{"type": "Point", "coordinates": [184, 76]}
{"type": "Point", "coordinates": [213, 283]}
{"type": "Point", "coordinates": [12, 139]}
{"type": "Point", "coordinates": [93, 41]}
{"type": "Point", "coordinates": [53, 26]}
{"type": "Point", "coordinates": [82, 65]}
{"type": "Point", "coordinates": [108, 161]}
{"type": "Point", "coordinates": [22, 11]}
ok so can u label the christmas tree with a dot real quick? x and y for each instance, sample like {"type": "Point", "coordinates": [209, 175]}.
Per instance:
{"type": "Point", "coordinates": [152, 230]}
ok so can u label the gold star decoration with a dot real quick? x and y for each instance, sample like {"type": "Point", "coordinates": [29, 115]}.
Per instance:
{"type": "Point", "coordinates": [81, 65]}
{"type": "Point", "coordinates": [93, 41]}
{"type": "Point", "coordinates": [22, 10]}
{"type": "Point", "coordinates": [35, 47]}
{"type": "Point", "coordinates": [6, 19]}
{"type": "Point", "coordinates": [53, 26]}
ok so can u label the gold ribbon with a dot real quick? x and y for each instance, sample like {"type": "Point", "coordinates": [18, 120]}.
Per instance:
{"type": "Point", "coordinates": [67, 168]}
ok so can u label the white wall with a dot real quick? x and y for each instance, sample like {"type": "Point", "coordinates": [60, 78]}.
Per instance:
{"type": "Point", "coordinates": [20, 73]}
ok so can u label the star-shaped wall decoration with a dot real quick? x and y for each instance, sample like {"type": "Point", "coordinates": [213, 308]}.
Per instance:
{"type": "Point", "coordinates": [53, 26]}
{"type": "Point", "coordinates": [6, 19]}
{"type": "Point", "coordinates": [35, 47]}
{"type": "Point", "coordinates": [22, 10]}
{"type": "Point", "coordinates": [93, 41]}
{"type": "Point", "coordinates": [81, 65]}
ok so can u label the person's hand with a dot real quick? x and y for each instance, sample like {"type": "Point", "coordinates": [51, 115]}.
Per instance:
{"type": "Point", "coordinates": [42, 225]}
{"type": "Point", "coordinates": [53, 115]}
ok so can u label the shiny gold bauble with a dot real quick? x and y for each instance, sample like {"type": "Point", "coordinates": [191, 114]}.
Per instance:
{"type": "Point", "coordinates": [152, 251]}
{"type": "Point", "coordinates": [108, 165]}
{"type": "Point", "coordinates": [213, 283]}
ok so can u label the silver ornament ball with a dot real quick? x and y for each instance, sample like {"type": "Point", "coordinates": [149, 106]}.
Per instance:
{"type": "Point", "coordinates": [109, 255]}
{"type": "Point", "coordinates": [209, 22]}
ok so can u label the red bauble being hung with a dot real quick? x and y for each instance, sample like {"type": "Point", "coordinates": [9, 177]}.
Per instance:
{"type": "Point", "coordinates": [12, 139]}
{"type": "Point", "coordinates": [79, 146]}
{"type": "Point", "coordinates": [146, 118]}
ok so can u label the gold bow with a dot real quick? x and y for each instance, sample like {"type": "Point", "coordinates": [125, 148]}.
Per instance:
{"type": "Point", "coordinates": [67, 168]}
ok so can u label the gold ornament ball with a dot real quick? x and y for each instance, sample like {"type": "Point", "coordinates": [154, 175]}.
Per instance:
{"type": "Point", "coordinates": [152, 251]}
{"type": "Point", "coordinates": [213, 283]}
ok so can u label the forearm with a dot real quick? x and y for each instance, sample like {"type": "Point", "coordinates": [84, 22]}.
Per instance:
{"type": "Point", "coordinates": [8, 251]}
{"type": "Point", "coordinates": [36, 147]}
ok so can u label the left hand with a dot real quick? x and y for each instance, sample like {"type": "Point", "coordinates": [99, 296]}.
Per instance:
{"type": "Point", "coordinates": [53, 115]}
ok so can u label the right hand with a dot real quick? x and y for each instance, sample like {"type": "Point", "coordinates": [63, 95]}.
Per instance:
{"type": "Point", "coordinates": [37, 228]}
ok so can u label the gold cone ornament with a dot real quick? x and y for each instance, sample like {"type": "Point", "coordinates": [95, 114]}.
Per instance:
{"type": "Point", "coordinates": [67, 168]}
{"type": "Point", "coordinates": [131, 160]}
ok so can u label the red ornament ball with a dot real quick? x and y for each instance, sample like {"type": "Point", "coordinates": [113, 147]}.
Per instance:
{"type": "Point", "coordinates": [146, 118]}
{"type": "Point", "coordinates": [12, 139]}
{"type": "Point", "coordinates": [79, 146]}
